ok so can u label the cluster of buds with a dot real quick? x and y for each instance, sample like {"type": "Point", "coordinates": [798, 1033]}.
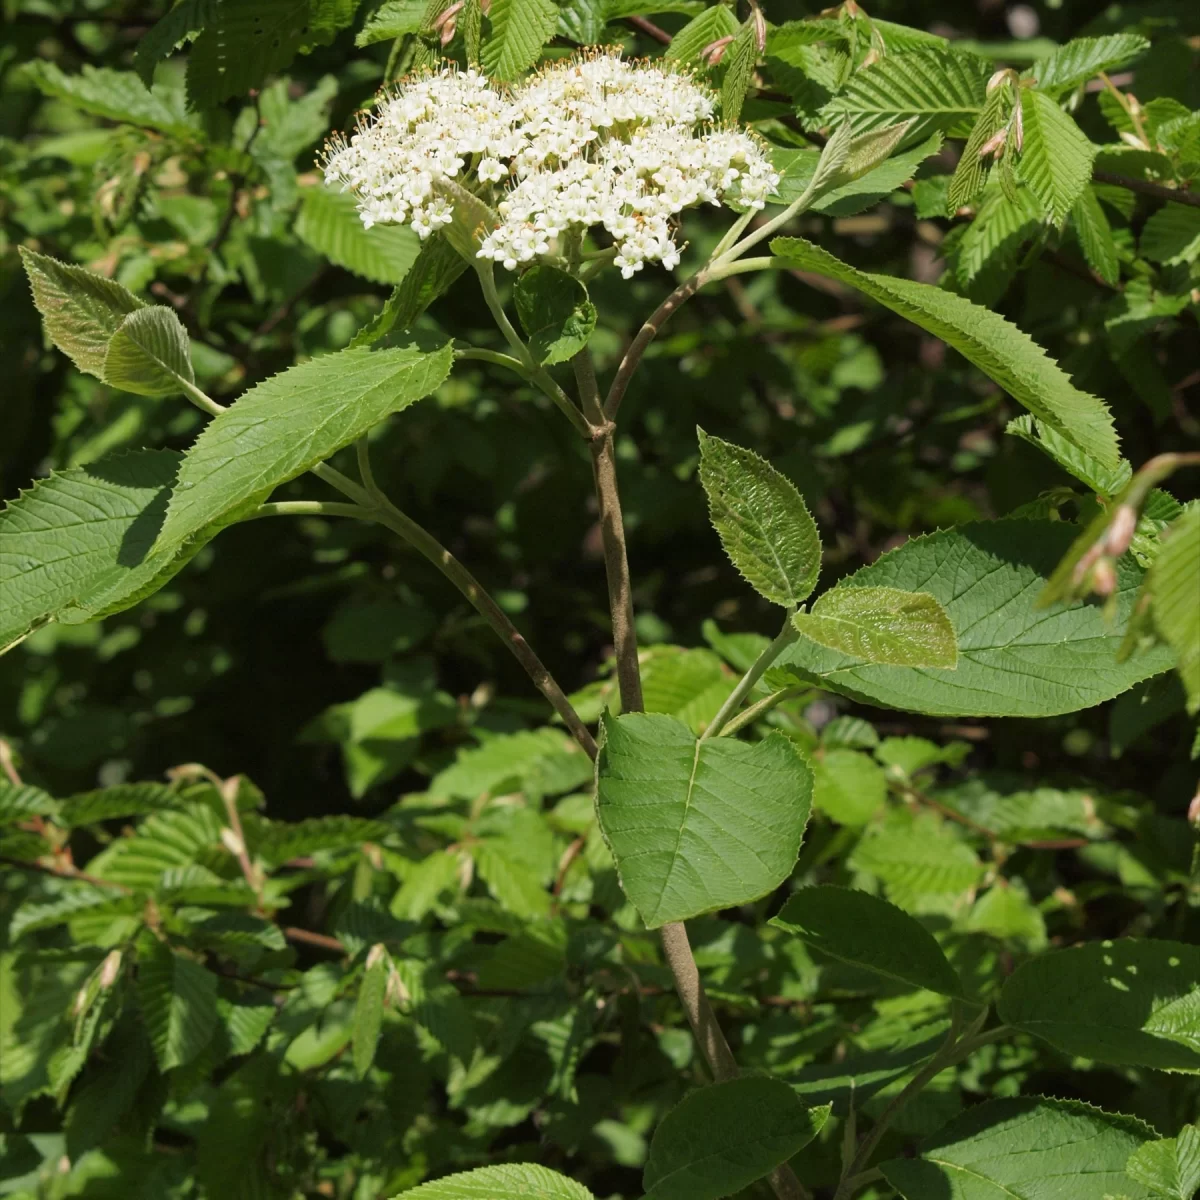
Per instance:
{"type": "Point", "coordinates": [591, 141]}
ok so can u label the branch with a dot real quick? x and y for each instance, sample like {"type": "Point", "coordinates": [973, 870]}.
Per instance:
{"type": "Point", "coordinates": [1145, 188]}
{"type": "Point", "coordinates": [649, 29]}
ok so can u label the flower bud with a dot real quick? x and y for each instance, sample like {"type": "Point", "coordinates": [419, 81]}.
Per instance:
{"type": "Point", "coordinates": [110, 969]}
{"type": "Point", "coordinates": [994, 144]}
{"type": "Point", "coordinates": [1104, 577]}
{"type": "Point", "coordinates": [232, 842]}
{"type": "Point", "coordinates": [376, 955]}
{"type": "Point", "coordinates": [1120, 530]}
{"type": "Point", "coordinates": [760, 28]}
{"type": "Point", "coordinates": [715, 51]}
{"type": "Point", "coordinates": [1194, 812]}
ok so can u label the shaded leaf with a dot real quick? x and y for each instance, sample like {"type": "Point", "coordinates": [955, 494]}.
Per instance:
{"type": "Point", "coordinates": [149, 354]}
{"type": "Point", "coordinates": [179, 1004]}
{"type": "Point", "coordinates": [555, 313]}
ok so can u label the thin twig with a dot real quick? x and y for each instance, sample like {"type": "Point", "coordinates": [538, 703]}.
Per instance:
{"type": "Point", "coordinates": [321, 941]}
{"type": "Point", "coordinates": [1145, 188]}
{"type": "Point", "coordinates": [649, 29]}
{"type": "Point", "coordinates": [64, 872]}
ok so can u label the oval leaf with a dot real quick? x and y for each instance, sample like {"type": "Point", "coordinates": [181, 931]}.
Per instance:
{"type": "Point", "coordinates": [762, 521]}
{"type": "Point", "coordinates": [511, 1181]}
{"type": "Point", "coordinates": [721, 1138]}
{"type": "Point", "coordinates": [882, 625]}
{"type": "Point", "coordinates": [555, 312]}
{"type": "Point", "coordinates": [867, 932]}
{"type": "Point", "coordinates": [149, 354]}
{"type": "Point", "coordinates": [179, 1004]}
{"type": "Point", "coordinates": [697, 826]}
{"type": "Point", "coordinates": [1129, 1002]}
{"type": "Point", "coordinates": [368, 1014]}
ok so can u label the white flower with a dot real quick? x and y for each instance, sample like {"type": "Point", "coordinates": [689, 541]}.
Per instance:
{"type": "Point", "coordinates": [591, 141]}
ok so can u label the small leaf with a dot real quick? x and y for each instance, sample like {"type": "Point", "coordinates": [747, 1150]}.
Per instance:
{"type": "Point", "coordinates": [149, 354]}
{"type": "Point", "coordinates": [330, 224]}
{"type": "Point", "coordinates": [1084, 58]}
{"type": "Point", "coordinates": [1169, 1167]}
{"type": "Point", "coordinates": [180, 25]}
{"type": "Point", "coordinates": [849, 786]}
{"type": "Point", "coordinates": [510, 1181]}
{"type": "Point", "coordinates": [762, 521]}
{"type": "Point", "coordinates": [867, 932]}
{"type": "Point", "coordinates": [368, 1013]}
{"type": "Point", "coordinates": [1172, 583]}
{"type": "Point", "coordinates": [1171, 235]}
{"type": "Point", "coordinates": [520, 28]}
{"type": "Point", "coordinates": [1034, 1148]}
{"type": "Point", "coordinates": [882, 625]}
{"type": "Point", "coordinates": [555, 312]}
{"type": "Point", "coordinates": [179, 1004]}
{"type": "Point", "coordinates": [971, 172]}
{"type": "Point", "coordinates": [1095, 236]}
{"type": "Point", "coordinates": [880, 181]}
{"type": "Point", "coordinates": [471, 219]}
{"type": "Point", "coordinates": [697, 826]}
{"type": "Point", "coordinates": [436, 268]}
{"type": "Point", "coordinates": [739, 61]}
{"type": "Point", "coordinates": [1128, 1002]}
{"type": "Point", "coordinates": [1056, 161]}
{"type": "Point", "coordinates": [721, 1138]}
{"type": "Point", "coordinates": [714, 23]}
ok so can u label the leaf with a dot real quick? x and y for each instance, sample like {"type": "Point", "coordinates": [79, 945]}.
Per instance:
{"type": "Point", "coordinates": [180, 25]}
{"type": "Point", "coordinates": [721, 1138]}
{"type": "Point", "coordinates": [81, 310]}
{"type": "Point", "coordinates": [520, 28]}
{"type": "Point", "coordinates": [990, 249]}
{"type": "Point", "coordinates": [739, 62]}
{"type": "Point", "coordinates": [368, 1013]}
{"type": "Point", "coordinates": [714, 23]}
{"type": "Point", "coordinates": [435, 269]}
{"type": "Point", "coordinates": [867, 932]}
{"type": "Point", "coordinates": [1027, 1147]}
{"type": "Point", "coordinates": [1103, 480]}
{"type": "Point", "coordinates": [179, 1004]}
{"type": "Point", "coordinates": [510, 1181]}
{"type": "Point", "coordinates": [697, 826]}
{"type": "Point", "coordinates": [109, 804]}
{"type": "Point", "coordinates": [1095, 236]}
{"type": "Point", "coordinates": [330, 224]}
{"type": "Point", "coordinates": [555, 312]}
{"type": "Point", "coordinates": [1173, 584]}
{"type": "Point", "coordinates": [392, 19]}
{"type": "Point", "coordinates": [1056, 160]}
{"type": "Point", "coordinates": [849, 786]}
{"type": "Point", "coordinates": [1169, 1167]}
{"type": "Point", "coordinates": [1129, 1002]}
{"type": "Point", "coordinates": [1001, 350]}
{"type": "Point", "coordinates": [1171, 235]}
{"type": "Point", "coordinates": [877, 183]}
{"type": "Point", "coordinates": [1014, 659]}
{"type": "Point", "coordinates": [935, 89]}
{"type": "Point", "coordinates": [970, 173]}
{"type": "Point", "coordinates": [291, 422]}
{"type": "Point", "coordinates": [1084, 58]}
{"type": "Point", "coordinates": [149, 354]}
{"type": "Point", "coordinates": [882, 625]}
{"type": "Point", "coordinates": [762, 521]}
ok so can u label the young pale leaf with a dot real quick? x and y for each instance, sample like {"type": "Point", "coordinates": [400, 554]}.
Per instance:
{"type": "Point", "coordinates": [1174, 582]}
{"type": "Point", "coordinates": [149, 354]}
{"type": "Point", "coordinates": [392, 19]}
{"type": "Point", "coordinates": [880, 181]}
{"type": "Point", "coordinates": [81, 310]}
{"type": "Point", "coordinates": [828, 168]}
{"type": "Point", "coordinates": [368, 1014]}
{"type": "Point", "coordinates": [1056, 161]}
{"type": "Point", "coordinates": [291, 422]}
{"type": "Point", "coordinates": [968, 178]}
{"type": "Point", "coordinates": [848, 786]}
{"type": "Point", "coordinates": [762, 521]}
{"type": "Point", "coordinates": [1013, 658]}
{"type": "Point", "coordinates": [1095, 236]}
{"type": "Point", "coordinates": [1128, 1002]}
{"type": "Point", "coordinates": [520, 28]}
{"type": "Point", "coordinates": [555, 312]}
{"type": "Point", "coordinates": [999, 349]}
{"type": "Point", "coordinates": [510, 1181]}
{"type": "Point", "coordinates": [1034, 1148]}
{"type": "Point", "coordinates": [1169, 1167]}
{"type": "Point", "coordinates": [1084, 58]}
{"type": "Point", "coordinates": [882, 625]}
{"type": "Point", "coordinates": [934, 89]}
{"type": "Point", "coordinates": [330, 224]}
{"type": "Point", "coordinates": [867, 932]}
{"type": "Point", "coordinates": [179, 1004]}
{"type": "Point", "coordinates": [721, 1138]}
{"type": "Point", "coordinates": [714, 23]}
{"type": "Point", "coordinates": [697, 826]}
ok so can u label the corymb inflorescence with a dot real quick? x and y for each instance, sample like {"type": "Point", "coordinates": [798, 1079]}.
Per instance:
{"type": "Point", "coordinates": [592, 141]}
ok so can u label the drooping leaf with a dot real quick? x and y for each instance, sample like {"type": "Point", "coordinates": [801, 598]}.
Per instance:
{"type": "Point", "coordinates": [882, 625]}
{"type": "Point", "coordinates": [555, 313]}
{"type": "Point", "coordinates": [1084, 58]}
{"type": "Point", "coordinates": [149, 354]}
{"type": "Point", "coordinates": [991, 246]}
{"type": "Point", "coordinates": [1172, 583]}
{"type": "Point", "coordinates": [721, 1138]}
{"type": "Point", "coordinates": [179, 1003]}
{"type": "Point", "coordinates": [762, 520]}
{"type": "Point", "coordinates": [999, 349]}
{"type": "Point", "coordinates": [867, 932]}
{"type": "Point", "coordinates": [715, 22]}
{"type": "Point", "coordinates": [520, 28]}
{"type": "Point", "coordinates": [368, 1014]}
{"type": "Point", "coordinates": [1095, 236]}
{"type": "Point", "coordinates": [1029, 1147]}
{"type": "Point", "coordinates": [1103, 480]}
{"type": "Point", "coordinates": [1131, 1002]}
{"type": "Point", "coordinates": [330, 224]}
{"type": "Point", "coordinates": [289, 423]}
{"type": "Point", "coordinates": [1169, 1167]}
{"type": "Point", "coordinates": [510, 1181]}
{"type": "Point", "coordinates": [878, 182]}
{"type": "Point", "coordinates": [1013, 658]}
{"type": "Point", "coordinates": [1056, 161]}
{"type": "Point", "coordinates": [696, 826]}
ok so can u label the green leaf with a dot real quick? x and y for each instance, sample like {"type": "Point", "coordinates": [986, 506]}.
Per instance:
{"type": "Point", "coordinates": [179, 26]}
{"type": "Point", "coordinates": [114, 803]}
{"type": "Point", "coordinates": [1128, 1002]}
{"type": "Point", "coordinates": [330, 224]}
{"type": "Point", "coordinates": [291, 422]}
{"type": "Point", "coordinates": [1027, 1147]}
{"type": "Point", "coordinates": [1001, 350]}
{"type": "Point", "coordinates": [81, 310]}
{"type": "Point", "coordinates": [697, 826]}
{"type": "Point", "coordinates": [882, 625]}
{"type": "Point", "coordinates": [1013, 659]}
{"type": "Point", "coordinates": [1169, 1167]}
{"type": "Point", "coordinates": [867, 932]}
{"type": "Point", "coordinates": [714, 23]}
{"type": "Point", "coordinates": [520, 28]}
{"type": "Point", "coordinates": [179, 1004]}
{"type": "Point", "coordinates": [878, 182]}
{"type": "Point", "coordinates": [368, 1012]}
{"type": "Point", "coordinates": [935, 89]}
{"type": "Point", "coordinates": [555, 312]}
{"type": "Point", "coordinates": [1084, 58]}
{"type": "Point", "coordinates": [970, 173]}
{"type": "Point", "coordinates": [149, 354]}
{"type": "Point", "coordinates": [1171, 235]}
{"type": "Point", "coordinates": [1172, 583]}
{"type": "Point", "coordinates": [848, 786]}
{"type": "Point", "coordinates": [1056, 161]}
{"type": "Point", "coordinates": [762, 521]}
{"type": "Point", "coordinates": [1103, 480]}
{"type": "Point", "coordinates": [989, 251]}
{"type": "Point", "coordinates": [1095, 236]}
{"type": "Point", "coordinates": [511, 1181]}
{"type": "Point", "coordinates": [721, 1138]}
{"type": "Point", "coordinates": [739, 62]}
{"type": "Point", "coordinates": [392, 19]}
{"type": "Point", "coordinates": [435, 269]}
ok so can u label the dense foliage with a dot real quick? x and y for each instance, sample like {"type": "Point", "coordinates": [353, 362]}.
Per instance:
{"type": "Point", "coordinates": [306, 890]}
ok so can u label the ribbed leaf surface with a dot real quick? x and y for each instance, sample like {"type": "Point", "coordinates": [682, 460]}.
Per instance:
{"type": "Point", "coordinates": [1056, 161]}
{"type": "Point", "coordinates": [520, 28]}
{"type": "Point", "coordinates": [330, 224]}
{"type": "Point", "coordinates": [179, 1003]}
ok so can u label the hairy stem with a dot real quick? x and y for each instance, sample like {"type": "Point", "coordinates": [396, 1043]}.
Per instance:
{"type": "Point", "coordinates": [786, 636]}
{"type": "Point", "coordinates": [201, 400]}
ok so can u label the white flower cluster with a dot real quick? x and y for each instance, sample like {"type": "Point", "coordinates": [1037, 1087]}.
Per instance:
{"type": "Point", "coordinates": [586, 142]}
